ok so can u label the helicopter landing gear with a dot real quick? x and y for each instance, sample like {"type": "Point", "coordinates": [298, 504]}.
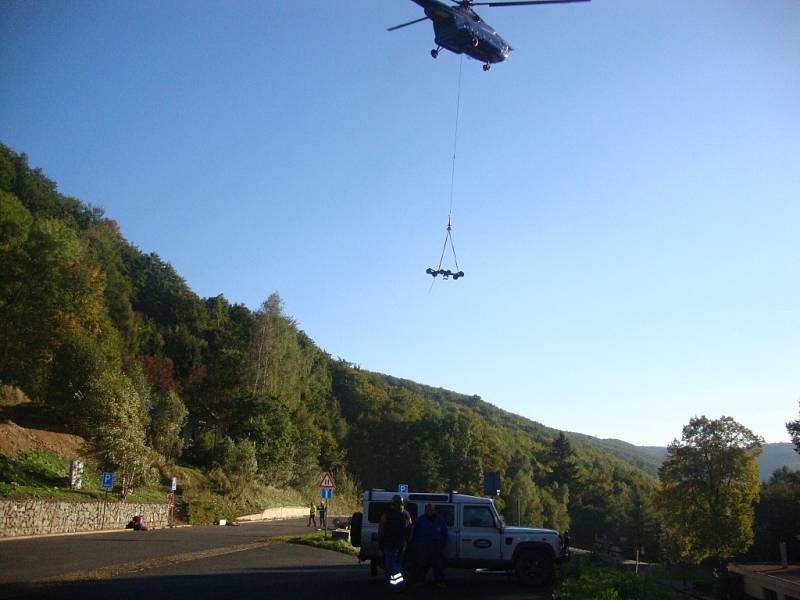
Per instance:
{"type": "Point", "coordinates": [435, 53]}
{"type": "Point", "coordinates": [487, 66]}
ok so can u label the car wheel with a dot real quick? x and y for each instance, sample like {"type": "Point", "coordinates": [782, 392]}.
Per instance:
{"type": "Point", "coordinates": [534, 568]}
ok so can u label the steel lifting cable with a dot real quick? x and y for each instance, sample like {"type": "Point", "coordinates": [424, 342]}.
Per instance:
{"type": "Point", "coordinates": [449, 236]}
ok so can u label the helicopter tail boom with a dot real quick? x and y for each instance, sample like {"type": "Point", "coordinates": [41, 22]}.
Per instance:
{"type": "Point", "coordinates": [407, 24]}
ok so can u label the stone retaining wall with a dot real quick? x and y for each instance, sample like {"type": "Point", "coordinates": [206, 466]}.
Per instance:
{"type": "Point", "coordinates": [36, 517]}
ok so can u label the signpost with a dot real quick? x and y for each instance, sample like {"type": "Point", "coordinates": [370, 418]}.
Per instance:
{"type": "Point", "coordinates": [75, 474]}
{"type": "Point", "coordinates": [171, 507]}
{"type": "Point", "coordinates": [326, 486]}
{"type": "Point", "coordinates": [106, 483]}
{"type": "Point", "coordinates": [491, 483]}
{"type": "Point", "coordinates": [171, 501]}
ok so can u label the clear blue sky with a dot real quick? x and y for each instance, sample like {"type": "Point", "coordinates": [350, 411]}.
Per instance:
{"type": "Point", "coordinates": [626, 202]}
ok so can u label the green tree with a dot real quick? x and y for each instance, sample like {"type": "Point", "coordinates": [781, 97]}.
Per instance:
{"type": "Point", "coordinates": [168, 416]}
{"type": "Point", "coordinates": [555, 499]}
{"type": "Point", "coordinates": [275, 356]}
{"type": "Point", "coordinates": [524, 503]}
{"type": "Point", "coordinates": [461, 458]}
{"type": "Point", "coordinates": [116, 430]}
{"type": "Point", "coordinates": [640, 524]}
{"type": "Point", "coordinates": [268, 423]}
{"type": "Point", "coordinates": [776, 516]}
{"type": "Point", "coordinates": [793, 427]}
{"type": "Point", "coordinates": [563, 465]}
{"type": "Point", "coordinates": [237, 472]}
{"type": "Point", "coordinates": [708, 486]}
{"type": "Point", "coordinates": [52, 308]}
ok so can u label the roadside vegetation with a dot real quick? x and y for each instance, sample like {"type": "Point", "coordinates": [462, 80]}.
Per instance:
{"type": "Point", "coordinates": [42, 474]}
{"type": "Point", "coordinates": [319, 540]}
{"type": "Point", "coordinates": [590, 578]}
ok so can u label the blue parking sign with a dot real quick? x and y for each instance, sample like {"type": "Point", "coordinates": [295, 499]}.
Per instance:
{"type": "Point", "coordinates": [107, 480]}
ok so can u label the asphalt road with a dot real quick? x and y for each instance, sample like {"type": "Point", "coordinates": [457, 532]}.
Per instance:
{"type": "Point", "coordinates": [201, 563]}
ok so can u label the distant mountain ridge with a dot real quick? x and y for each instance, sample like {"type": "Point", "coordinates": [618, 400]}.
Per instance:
{"type": "Point", "coordinates": [649, 458]}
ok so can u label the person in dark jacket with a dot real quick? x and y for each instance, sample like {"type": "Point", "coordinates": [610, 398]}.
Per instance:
{"type": "Point", "coordinates": [393, 533]}
{"type": "Point", "coordinates": [429, 538]}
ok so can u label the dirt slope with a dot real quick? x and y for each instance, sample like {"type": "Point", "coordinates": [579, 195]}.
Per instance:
{"type": "Point", "coordinates": [15, 440]}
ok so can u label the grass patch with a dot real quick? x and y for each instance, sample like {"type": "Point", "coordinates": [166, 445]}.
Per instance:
{"type": "Point", "coordinates": [590, 578]}
{"type": "Point", "coordinates": [43, 474]}
{"type": "Point", "coordinates": [317, 540]}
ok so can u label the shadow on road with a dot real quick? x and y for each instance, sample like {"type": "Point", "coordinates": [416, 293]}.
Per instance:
{"type": "Point", "coordinates": [300, 583]}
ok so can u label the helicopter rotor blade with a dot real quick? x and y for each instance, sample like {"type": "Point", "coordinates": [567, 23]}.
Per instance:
{"type": "Point", "coordinates": [524, 2]}
{"type": "Point", "coordinates": [407, 24]}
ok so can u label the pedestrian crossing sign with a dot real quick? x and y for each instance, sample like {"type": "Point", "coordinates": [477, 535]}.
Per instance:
{"type": "Point", "coordinates": [327, 481]}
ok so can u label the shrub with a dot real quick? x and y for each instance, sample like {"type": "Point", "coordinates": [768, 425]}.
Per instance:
{"type": "Point", "coordinates": [592, 579]}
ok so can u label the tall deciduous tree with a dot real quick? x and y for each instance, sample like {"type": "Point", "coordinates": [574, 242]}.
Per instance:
{"type": "Point", "coordinates": [167, 419]}
{"type": "Point", "coordinates": [524, 503]}
{"type": "Point", "coordinates": [116, 431]}
{"type": "Point", "coordinates": [275, 356]}
{"type": "Point", "coordinates": [708, 487]}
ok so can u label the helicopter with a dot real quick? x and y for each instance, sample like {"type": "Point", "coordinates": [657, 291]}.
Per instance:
{"type": "Point", "coordinates": [461, 30]}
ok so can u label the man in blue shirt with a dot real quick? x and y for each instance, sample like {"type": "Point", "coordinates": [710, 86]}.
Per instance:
{"type": "Point", "coordinates": [430, 537]}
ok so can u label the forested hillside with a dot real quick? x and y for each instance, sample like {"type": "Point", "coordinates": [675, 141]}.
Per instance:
{"type": "Point", "coordinates": [110, 343]}
{"type": "Point", "coordinates": [650, 458]}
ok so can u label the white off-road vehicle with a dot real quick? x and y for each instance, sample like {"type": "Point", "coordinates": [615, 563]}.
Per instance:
{"type": "Point", "coordinates": [477, 535]}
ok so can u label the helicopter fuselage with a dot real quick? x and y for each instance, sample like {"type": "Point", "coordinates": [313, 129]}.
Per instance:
{"type": "Point", "coordinates": [462, 31]}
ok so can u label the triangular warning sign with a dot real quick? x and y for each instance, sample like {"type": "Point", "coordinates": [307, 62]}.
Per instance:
{"type": "Point", "coordinates": [327, 481]}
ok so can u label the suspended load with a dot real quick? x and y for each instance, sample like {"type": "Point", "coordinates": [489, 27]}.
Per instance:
{"type": "Point", "coordinates": [446, 273]}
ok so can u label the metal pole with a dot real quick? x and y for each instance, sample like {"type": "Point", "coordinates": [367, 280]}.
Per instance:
{"type": "Point", "coordinates": [105, 502]}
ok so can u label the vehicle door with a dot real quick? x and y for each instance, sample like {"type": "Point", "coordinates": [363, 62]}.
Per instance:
{"type": "Point", "coordinates": [479, 537]}
{"type": "Point", "coordinates": [369, 527]}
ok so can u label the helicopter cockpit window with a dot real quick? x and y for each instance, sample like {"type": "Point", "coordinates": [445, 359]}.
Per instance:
{"type": "Point", "coordinates": [476, 17]}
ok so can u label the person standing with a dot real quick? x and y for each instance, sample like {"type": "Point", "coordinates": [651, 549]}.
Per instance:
{"type": "Point", "coordinates": [430, 538]}
{"type": "Point", "coordinates": [311, 518]}
{"type": "Point", "coordinates": [321, 515]}
{"type": "Point", "coordinates": [394, 530]}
